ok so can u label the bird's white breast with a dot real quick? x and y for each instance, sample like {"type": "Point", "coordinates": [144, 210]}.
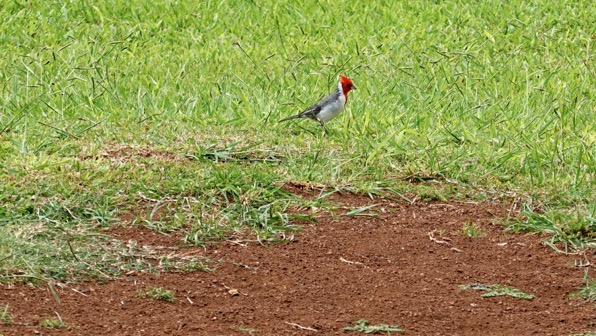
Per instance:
{"type": "Point", "coordinates": [331, 110]}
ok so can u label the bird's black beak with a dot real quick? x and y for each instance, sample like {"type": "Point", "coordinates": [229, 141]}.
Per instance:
{"type": "Point", "coordinates": [354, 87]}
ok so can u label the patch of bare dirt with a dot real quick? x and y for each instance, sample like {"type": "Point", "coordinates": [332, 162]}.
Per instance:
{"type": "Point", "coordinates": [144, 236]}
{"type": "Point", "coordinates": [400, 267]}
{"type": "Point", "coordinates": [125, 153]}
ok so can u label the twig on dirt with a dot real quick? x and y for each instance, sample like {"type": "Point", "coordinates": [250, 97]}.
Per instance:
{"type": "Point", "coordinates": [350, 262]}
{"type": "Point", "coordinates": [78, 291]}
{"type": "Point", "coordinates": [300, 327]}
{"type": "Point", "coordinates": [233, 291]}
{"type": "Point", "coordinates": [242, 265]}
{"type": "Point", "coordinates": [431, 236]}
{"type": "Point", "coordinates": [189, 300]}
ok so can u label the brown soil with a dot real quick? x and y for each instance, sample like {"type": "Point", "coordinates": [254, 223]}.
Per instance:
{"type": "Point", "coordinates": [124, 153]}
{"type": "Point", "coordinates": [402, 267]}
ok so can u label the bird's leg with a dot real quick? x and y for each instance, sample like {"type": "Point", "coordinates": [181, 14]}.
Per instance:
{"type": "Point", "coordinates": [323, 126]}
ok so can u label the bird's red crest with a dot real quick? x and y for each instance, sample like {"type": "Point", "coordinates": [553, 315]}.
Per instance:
{"type": "Point", "coordinates": [346, 85]}
{"type": "Point", "coordinates": [345, 80]}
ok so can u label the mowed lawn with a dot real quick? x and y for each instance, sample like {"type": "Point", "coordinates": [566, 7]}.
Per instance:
{"type": "Point", "coordinates": [164, 114]}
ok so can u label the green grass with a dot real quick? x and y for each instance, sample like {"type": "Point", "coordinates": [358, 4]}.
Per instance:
{"type": "Point", "coordinates": [53, 322]}
{"type": "Point", "coordinates": [364, 327]}
{"type": "Point", "coordinates": [158, 293]}
{"type": "Point", "coordinates": [168, 112]}
{"type": "Point", "coordinates": [498, 290]}
{"type": "Point", "coordinates": [587, 292]}
{"type": "Point", "coordinates": [5, 316]}
{"type": "Point", "coordinates": [248, 330]}
{"type": "Point", "coordinates": [472, 230]}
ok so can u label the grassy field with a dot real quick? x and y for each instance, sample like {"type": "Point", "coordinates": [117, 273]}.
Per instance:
{"type": "Point", "coordinates": [167, 112]}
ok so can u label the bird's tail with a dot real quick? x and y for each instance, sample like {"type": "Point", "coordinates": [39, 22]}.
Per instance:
{"type": "Point", "coordinates": [292, 117]}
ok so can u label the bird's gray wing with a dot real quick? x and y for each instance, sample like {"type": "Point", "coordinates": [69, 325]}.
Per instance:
{"type": "Point", "coordinates": [311, 112]}
{"type": "Point", "coordinates": [314, 110]}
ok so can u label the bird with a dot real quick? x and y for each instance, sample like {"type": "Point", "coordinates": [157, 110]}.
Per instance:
{"type": "Point", "coordinates": [330, 106]}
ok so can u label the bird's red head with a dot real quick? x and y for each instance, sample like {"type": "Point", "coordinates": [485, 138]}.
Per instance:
{"type": "Point", "coordinates": [346, 84]}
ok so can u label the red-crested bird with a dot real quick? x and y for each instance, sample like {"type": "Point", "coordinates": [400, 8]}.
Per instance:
{"type": "Point", "coordinates": [330, 106]}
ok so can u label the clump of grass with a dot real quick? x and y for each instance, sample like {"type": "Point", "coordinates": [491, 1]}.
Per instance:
{"type": "Point", "coordinates": [45, 252]}
{"type": "Point", "coordinates": [497, 290]}
{"type": "Point", "coordinates": [5, 316]}
{"type": "Point", "coordinates": [472, 230]}
{"type": "Point", "coordinates": [53, 322]}
{"type": "Point", "coordinates": [364, 327]}
{"type": "Point", "coordinates": [194, 266]}
{"type": "Point", "coordinates": [588, 291]}
{"type": "Point", "coordinates": [573, 228]}
{"type": "Point", "coordinates": [428, 194]}
{"type": "Point", "coordinates": [158, 293]}
{"type": "Point", "coordinates": [248, 330]}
